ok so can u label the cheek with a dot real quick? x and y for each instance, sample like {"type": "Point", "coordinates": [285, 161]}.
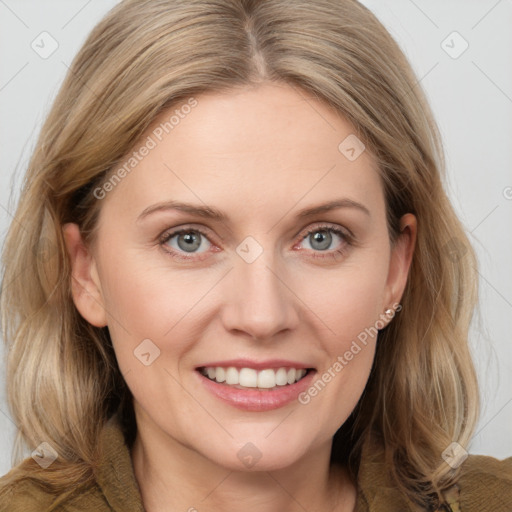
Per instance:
{"type": "Point", "coordinates": [147, 299]}
{"type": "Point", "coordinates": [147, 308]}
{"type": "Point", "coordinates": [137, 299]}
{"type": "Point", "coordinates": [348, 305]}
{"type": "Point", "coordinates": [348, 299]}
{"type": "Point", "coordinates": [143, 303]}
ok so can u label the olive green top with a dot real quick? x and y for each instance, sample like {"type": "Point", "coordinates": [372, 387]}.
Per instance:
{"type": "Point", "coordinates": [485, 485]}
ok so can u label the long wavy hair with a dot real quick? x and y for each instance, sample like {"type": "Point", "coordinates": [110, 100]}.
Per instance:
{"type": "Point", "coordinates": [63, 380]}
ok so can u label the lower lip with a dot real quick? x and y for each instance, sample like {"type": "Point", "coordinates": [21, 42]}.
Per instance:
{"type": "Point", "coordinates": [255, 400]}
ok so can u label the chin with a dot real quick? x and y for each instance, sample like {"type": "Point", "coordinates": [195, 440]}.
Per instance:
{"type": "Point", "coordinates": [256, 453]}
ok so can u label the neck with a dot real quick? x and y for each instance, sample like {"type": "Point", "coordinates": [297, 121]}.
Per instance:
{"type": "Point", "coordinates": [172, 476]}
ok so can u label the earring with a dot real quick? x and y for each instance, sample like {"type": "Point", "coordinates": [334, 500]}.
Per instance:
{"type": "Point", "coordinates": [388, 312]}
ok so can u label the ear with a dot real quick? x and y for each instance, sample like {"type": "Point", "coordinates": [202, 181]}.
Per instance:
{"type": "Point", "coordinates": [85, 283]}
{"type": "Point", "coordinates": [401, 257]}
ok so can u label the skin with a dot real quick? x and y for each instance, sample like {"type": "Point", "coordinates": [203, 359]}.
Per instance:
{"type": "Point", "coordinates": [260, 155]}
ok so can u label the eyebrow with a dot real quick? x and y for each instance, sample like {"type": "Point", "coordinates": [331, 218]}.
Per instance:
{"type": "Point", "coordinates": [209, 212]}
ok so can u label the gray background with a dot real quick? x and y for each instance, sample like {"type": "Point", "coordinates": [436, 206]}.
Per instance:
{"type": "Point", "coordinates": [470, 93]}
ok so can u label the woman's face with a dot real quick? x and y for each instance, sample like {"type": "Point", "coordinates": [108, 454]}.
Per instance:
{"type": "Point", "coordinates": [249, 290]}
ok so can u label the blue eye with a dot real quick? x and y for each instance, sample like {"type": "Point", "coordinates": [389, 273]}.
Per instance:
{"type": "Point", "coordinates": [184, 243]}
{"type": "Point", "coordinates": [187, 240]}
{"type": "Point", "coordinates": [320, 239]}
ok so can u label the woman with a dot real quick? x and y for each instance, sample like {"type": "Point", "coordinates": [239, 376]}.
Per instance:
{"type": "Point", "coordinates": [234, 222]}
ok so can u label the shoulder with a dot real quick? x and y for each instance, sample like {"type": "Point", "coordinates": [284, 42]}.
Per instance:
{"type": "Point", "coordinates": [29, 496]}
{"type": "Point", "coordinates": [482, 484]}
{"type": "Point", "coordinates": [112, 485]}
{"type": "Point", "coordinates": [485, 484]}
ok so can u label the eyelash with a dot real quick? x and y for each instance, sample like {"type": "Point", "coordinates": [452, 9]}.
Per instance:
{"type": "Point", "coordinates": [333, 253]}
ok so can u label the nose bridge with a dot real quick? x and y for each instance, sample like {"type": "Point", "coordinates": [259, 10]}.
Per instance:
{"type": "Point", "coordinates": [260, 304]}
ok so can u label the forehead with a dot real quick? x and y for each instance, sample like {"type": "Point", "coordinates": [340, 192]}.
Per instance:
{"type": "Point", "coordinates": [261, 148]}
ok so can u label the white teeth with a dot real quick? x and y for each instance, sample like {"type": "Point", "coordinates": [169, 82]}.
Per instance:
{"type": "Point", "coordinates": [266, 379]}
{"type": "Point", "coordinates": [248, 377]}
{"type": "Point", "coordinates": [281, 377]}
{"type": "Point", "coordinates": [251, 378]}
{"type": "Point", "coordinates": [231, 376]}
{"type": "Point", "coordinates": [220, 374]}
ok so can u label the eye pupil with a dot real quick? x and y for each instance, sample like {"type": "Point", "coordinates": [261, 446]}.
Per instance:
{"type": "Point", "coordinates": [324, 238]}
{"type": "Point", "coordinates": [191, 241]}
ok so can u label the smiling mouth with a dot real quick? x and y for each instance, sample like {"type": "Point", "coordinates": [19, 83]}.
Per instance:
{"type": "Point", "coordinates": [249, 378]}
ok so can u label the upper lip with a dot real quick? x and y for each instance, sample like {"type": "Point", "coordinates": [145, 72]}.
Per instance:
{"type": "Point", "coordinates": [257, 365]}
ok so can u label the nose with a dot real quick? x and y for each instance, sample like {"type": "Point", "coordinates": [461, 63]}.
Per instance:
{"type": "Point", "coordinates": [260, 302]}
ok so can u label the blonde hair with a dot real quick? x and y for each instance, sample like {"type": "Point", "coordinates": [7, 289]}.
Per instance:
{"type": "Point", "coordinates": [62, 376]}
